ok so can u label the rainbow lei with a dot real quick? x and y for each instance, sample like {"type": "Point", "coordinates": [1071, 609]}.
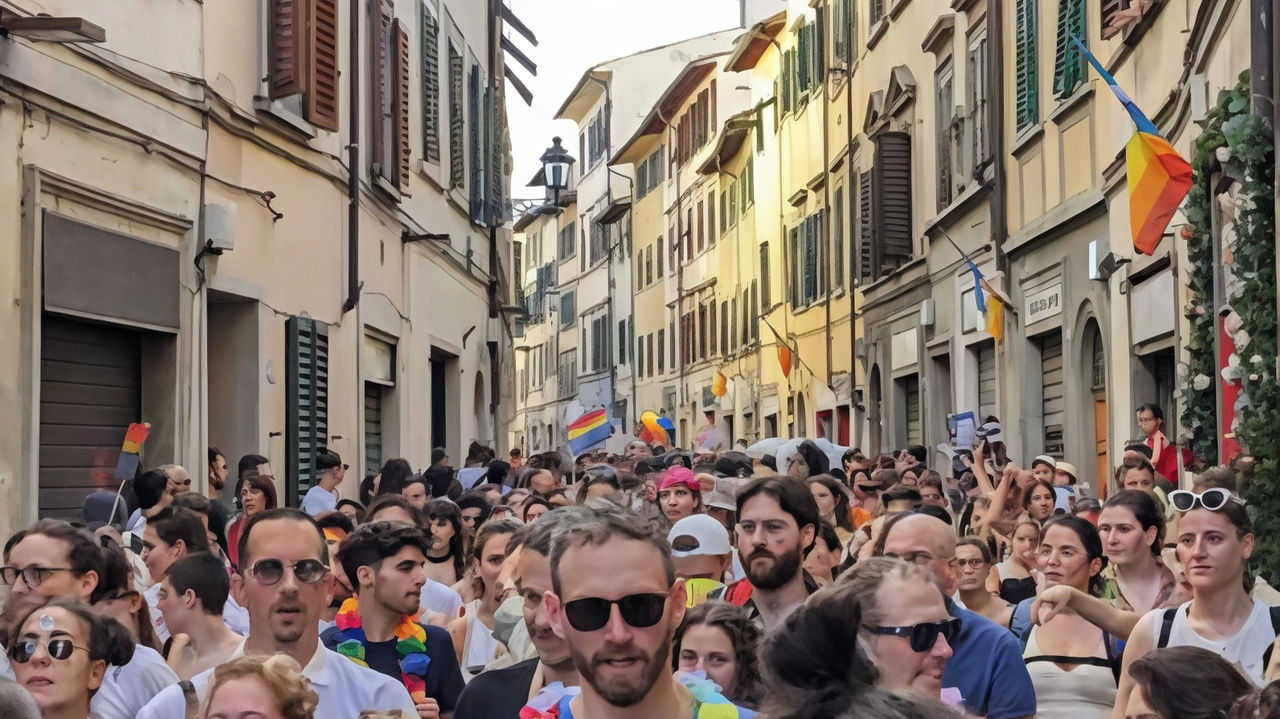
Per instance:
{"type": "Point", "coordinates": [411, 645]}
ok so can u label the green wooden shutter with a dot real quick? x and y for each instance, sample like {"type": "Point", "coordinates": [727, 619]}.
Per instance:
{"type": "Point", "coordinates": [457, 121]}
{"type": "Point", "coordinates": [765, 277]}
{"type": "Point", "coordinates": [804, 66]}
{"type": "Point", "coordinates": [430, 86]}
{"type": "Point", "coordinates": [892, 197]}
{"type": "Point", "coordinates": [475, 114]}
{"type": "Point", "coordinates": [866, 257]}
{"type": "Point", "coordinates": [1068, 68]}
{"type": "Point", "coordinates": [307, 403]}
{"type": "Point", "coordinates": [820, 49]}
{"type": "Point", "coordinates": [1026, 54]}
{"type": "Point", "coordinates": [837, 232]}
{"type": "Point", "coordinates": [793, 269]}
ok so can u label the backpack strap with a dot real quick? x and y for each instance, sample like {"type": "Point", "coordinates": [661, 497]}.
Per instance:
{"type": "Point", "coordinates": [1115, 656]}
{"type": "Point", "coordinates": [1166, 627]}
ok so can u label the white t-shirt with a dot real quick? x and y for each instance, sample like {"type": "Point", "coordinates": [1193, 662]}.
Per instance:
{"type": "Point", "coordinates": [317, 500]}
{"type": "Point", "coordinates": [344, 687]}
{"type": "Point", "coordinates": [234, 616]}
{"type": "Point", "coordinates": [125, 690]}
{"type": "Point", "coordinates": [440, 598]}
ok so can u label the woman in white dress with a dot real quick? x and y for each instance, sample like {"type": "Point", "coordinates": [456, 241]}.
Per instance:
{"type": "Point", "coordinates": [472, 633]}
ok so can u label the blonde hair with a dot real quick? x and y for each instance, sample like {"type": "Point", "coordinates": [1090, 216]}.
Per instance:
{"type": "Point", "coordinates": [282, 676]}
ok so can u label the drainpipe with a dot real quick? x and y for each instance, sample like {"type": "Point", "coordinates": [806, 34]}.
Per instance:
{"type": "Point", "coordinates": [679, 275]}
{"type": "Point", "coordinates": [854, 435]}
{"type": "Point", "coordinates": [995, 122]}
{"type": "Point", "coordinates": [353, 165]}
{"type": "Point", "coordinates": [493, 218]}
{"type": "Point", "coordinates": [826, 195]}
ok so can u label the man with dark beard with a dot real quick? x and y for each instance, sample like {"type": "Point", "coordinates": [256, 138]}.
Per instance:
{"type": "Point", "coordinates": [502, 693]}
{"type": "Point", "coordinates": [777, 521]}
{"type": "Point", "coordinates": [617, 603]}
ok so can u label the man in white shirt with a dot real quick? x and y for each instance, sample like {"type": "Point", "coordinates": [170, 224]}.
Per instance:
{"type": "Point", "coordinates": [169, 536]}
{"type": "Point", "coordinates": [323, 497]}
{"type": "Point", "coordinates": [54, 559]}
{"type": "Point", "coordinates": [284, 583]}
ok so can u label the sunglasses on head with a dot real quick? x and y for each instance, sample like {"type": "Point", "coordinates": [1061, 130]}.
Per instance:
{"type": "Point", "coordinates": [271, 571]}
{"type": "Point", "coordinates": [922, 636]}
{"type": "Point", "coordinates": [1212, 499]}
{"type": "Point", "coordinates": [638, 610]}
{"type": "Point", "coordinates": [60, 649]}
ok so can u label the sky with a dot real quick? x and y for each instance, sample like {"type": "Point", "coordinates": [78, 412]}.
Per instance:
{"type": "Point", "coordinates": [574, 35]}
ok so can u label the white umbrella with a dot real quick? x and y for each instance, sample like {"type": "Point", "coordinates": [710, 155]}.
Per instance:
{"type": "Point", "coordinates": [765, 446]}
{"type": "Point", "coordinates": [833, 452]}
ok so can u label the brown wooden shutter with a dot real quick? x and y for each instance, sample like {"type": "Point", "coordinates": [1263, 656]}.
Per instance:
{"type": "Point", "coordinates": [400, 102]}
{"type": "Point", "coordinates": [866, 256]}
{"type": "Point", "coordinates": [430, 87]}
{"type": "Point", "coordinates": [288, 47]}
{"type": "Point", "coordinates": [322, 85]}
{"type": "Point", "coordinates": [381, 104]}
{"type": "Point", "coordinates": [712, 99]}
{"type": "Point", "coordinates": [1109, 10]}
{"type": "Point", "coordinates": [893, 197]}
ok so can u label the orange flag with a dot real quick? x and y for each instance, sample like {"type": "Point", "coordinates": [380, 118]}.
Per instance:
{"type": "Point", "coordinates": [784, 359]}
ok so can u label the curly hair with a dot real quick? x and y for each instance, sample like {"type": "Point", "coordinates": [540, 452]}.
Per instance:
{"type": "Point", "coordinates": [282, 676]}
{"type": "Point", "coordinates": [743, 635]}
{"type": "Point", "coordinates": [448, 511]}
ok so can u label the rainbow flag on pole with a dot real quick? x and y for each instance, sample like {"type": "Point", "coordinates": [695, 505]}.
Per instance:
{"type": "Point", "coordinates": [588, 430]}
{"type": "Point", "coordinates": [1159, 178]}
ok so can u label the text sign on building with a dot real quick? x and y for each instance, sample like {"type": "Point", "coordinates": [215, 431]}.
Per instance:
{"type": "Point", "coordinates": [1044, 304]}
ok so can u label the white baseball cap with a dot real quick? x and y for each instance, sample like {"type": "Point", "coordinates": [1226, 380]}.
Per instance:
{"type": "Point", "coordinates": [698, 535]}
{"type": "Point", "coordinates": [1045, 459]}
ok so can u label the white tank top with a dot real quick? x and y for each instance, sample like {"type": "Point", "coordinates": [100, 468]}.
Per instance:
{"type": "Point", "coordinates": [479, 647]}
{"type": "Point", "coordinates": [1245, 649]}
{"type": "Point", "coordinates": [1086, 691]}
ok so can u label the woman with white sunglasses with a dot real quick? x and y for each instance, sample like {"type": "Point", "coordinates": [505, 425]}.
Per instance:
{"type": "Point", "coordinates": [1215, 540]}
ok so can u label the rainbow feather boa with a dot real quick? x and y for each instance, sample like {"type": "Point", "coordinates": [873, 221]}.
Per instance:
{"type": "Point", "coordinates": [411, 645]}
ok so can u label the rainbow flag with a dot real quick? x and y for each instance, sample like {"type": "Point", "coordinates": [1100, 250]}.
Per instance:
{"type": "Point", "coordinates": [991, 308]}
{"type": "Point", "coordinates": [1159, 178]}
{"type": "Point", "coordinates": [588, 430]}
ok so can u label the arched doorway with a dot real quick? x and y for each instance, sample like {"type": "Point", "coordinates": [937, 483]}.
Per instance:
{"type": "Point", "coordinates": [1095, 358]}
{"type": "Point", "coordinates": [874, 411]}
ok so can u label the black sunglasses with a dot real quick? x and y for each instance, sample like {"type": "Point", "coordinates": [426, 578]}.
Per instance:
{"type": "Point", "coordinates": [923, 636]}
{"type": "Point", "coordinates": [60, 649]}
{"type": "Point", "coordinates": [638, 610]}
{"type": "Point", "coordinates": [271, 571]}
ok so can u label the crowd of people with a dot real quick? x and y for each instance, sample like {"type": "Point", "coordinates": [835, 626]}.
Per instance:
{"type": "Point", "coordinates": [653, 583]}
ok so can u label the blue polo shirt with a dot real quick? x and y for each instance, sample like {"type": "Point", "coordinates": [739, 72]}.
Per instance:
{"type": "Point", "coordinates": [987, 667]}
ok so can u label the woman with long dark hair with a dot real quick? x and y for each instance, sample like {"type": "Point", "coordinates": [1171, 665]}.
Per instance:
{"type": "Point", "coordinates": [473, 631]}
{"type": "Point", "coordinates": [1072, 662]}
{"type": "Point", "coordinates": [393, 475]}
{"type": "Point", "coordinates": [445, 562]}
{"type": "Point", "coordinates": [257, 494]}
{"type": "Point", "coordinates": [1038, 500]}
{"type": "Point", "coordinates": [1184, 683]}
{"type": "Point", "coordinates": [833, 504]}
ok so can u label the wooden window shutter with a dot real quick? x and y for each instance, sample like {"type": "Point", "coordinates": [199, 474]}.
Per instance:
{"type": "Point", "coordinates": [1068, 68]}
{"type": "Point", "coordinates": [837, 231]}
{"type": "Point", "coordinates": [712, 99]}
{"type": "Point", "coordinates": [381, 79]}
{"type": "Point", "coordinates": [820, 51]}
{"type": "Point", "coordinates": [400, 104]}
{"type": "Point", "coordinates": [755, 314]}
{"type": "Point", "coordinates": [288, 47]}
{"type": "Point", "coordinates": [1109, 10]}
{"type": "Point", "coordinates": [1026, 54]}
{"type": "Point", "coordinates": [322, 78]}
{"type": "Point", "coordinates": [866, 256]}
{"type": "Point", "coordinates": [766, 282]}
{"type": "Point", "coordinates": [893, 197]}
{"type": "Point", "coordinates": [793, 268]}
{"type": "Point", "coordinates": [430, 86]}
{"type": "Point", "coordinates": [702, 226]}
{"type": "Point", "coordinates": [714, 337]}
{"type": "Point", "coordinates": [307, 403]}
{"type": "Point", "coordinates": [711, 217]}
{"type": "Point", "coordinates": [810, 258]}
{"type": "Point", "coordinates": [457, 121]}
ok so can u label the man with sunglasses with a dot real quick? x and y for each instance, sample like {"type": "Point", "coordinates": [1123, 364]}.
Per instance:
{"type": "Point", "coordinates": [52, 559]}
{"type": "Point", "coordinates": [986, 665]}
{"type": "Point", "coordinates": [502, 693]}
{"type": "Point", "coordinates": [383, 562]}
{"type": "Point", "coordinates": [617, 603]}
{"type": "Point", "coordinates": [284, 582]}
{"type": "Point", "coordinates": [323, 497]}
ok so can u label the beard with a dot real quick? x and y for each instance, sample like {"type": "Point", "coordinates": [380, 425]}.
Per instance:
{"type": "Point", "coordinates": [397, 600]}
{"type": "Point", "coordinates": [627, 691]}
{"type": "Point", "coordinates": [776, 576]}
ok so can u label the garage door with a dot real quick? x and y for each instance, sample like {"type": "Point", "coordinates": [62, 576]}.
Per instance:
{"type": "Point", "coordinates": [986, 380]}
{"type": "Point", "coordinates": [90, 390]}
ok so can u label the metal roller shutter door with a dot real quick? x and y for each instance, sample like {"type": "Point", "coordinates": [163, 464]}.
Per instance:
{"type": "Point", "coordinates": [915, 430]}
{"type": "Point", "coordinates": [90, 391]}
{"type": "Point", "coordinates": [372, 428]}
{"type": "Point", "coordinates": [986, 381]}
{"type": "Point", "coordinates": [1053, 403]}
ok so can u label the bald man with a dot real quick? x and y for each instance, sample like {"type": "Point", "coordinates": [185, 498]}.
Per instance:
{"type": "Point", "coordinates": [986, 664]}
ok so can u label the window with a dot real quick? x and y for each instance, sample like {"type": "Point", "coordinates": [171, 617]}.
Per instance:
{"type": "Point", "coordinates": [837, 236]}
{"type": "Point", "coordinates": [711, 218]}
{"type": "Point", "coordinates": [842, 31]}
{"type": "Point", "coordinates": [793, 269]}
{"type": "Point", "coordinates": [568, 374]}
{"type": "Point", "coordinates": [729, 325]}
{"type": "Point", "coordinates": [599, 343]}
{"type": "Point", "coordinates": [648, 266]}
{"type": "Point", "coordinates": [1027, 108]}
{"type": "Point", "coordinates": [671, 332]}
{"type": "Point", "coordinates": [804, 63]}
{"type": "Point", "coordinates": [945, 106]}
{"type": "Point", "coordinates": [711, 317]}
{"type": "Point", "coordinates": [662, 352]}
{"type": "Point", "coordinates": [977, 82]}
{"type": "Point", "coordinates": [755, 313]}
{"type": "Point", "coordinates": [568, 309]}
{"type": "Point", "coordinates": [640, 360]}
{"type": "Point", "coordinates": [765, 278]}
{"type": "Point", "coordinates": [748, 185]}
{"type": "Point", "coordinates": [1068, 66]}
{"type": "Point", "coordinates": [877, 11]}
{"type": "Point", "coordinates": [1108, 15]}
{"type": "Point", "coordinates": [477, 142]}
{"type": "Point", "coordinates": [599, 241]}
{"type": "Point", "coordinates": [307, 414]}
{"type": "Point", "coordinates": [891, 205]}
{"type": "Point", "coordinates": [787, 87]}
{"type": "Point", "coordinates": [390, 94]}
{"type": "Point", "coordinates": [302, 54]}
{"type": "Point", "coordinates": [732, 214]}
{"type": "Point", "coordinates": [649, 173]}
{"type": "Point", "coordinates": [724, 211]}
{"type": "Point", "coordinates": [566, 238]}
{"type": "Point", "coordinates": [457, 161]}
{"type": "Point", "coordinates": [430, 84]}
{"type": "Point", "coordinates": [623, 358]}
{"type": "Point", "coordinates": [657, 258]}
{"type": "Point", "coordinates": [702, 227]}
{"type": "Point", "coordinates": [597, 139]}
{"type": "Point", "coordinates": [866, 226]}
{"type": "Point", "coordinates": [701, 353]}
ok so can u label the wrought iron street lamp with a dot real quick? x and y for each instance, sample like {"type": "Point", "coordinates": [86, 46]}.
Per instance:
{"type": "Point", "coordinates": [556, 167]}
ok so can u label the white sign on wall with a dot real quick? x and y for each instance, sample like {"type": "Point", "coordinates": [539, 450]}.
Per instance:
{"type": "Point", "coordinates": [1044, 304]}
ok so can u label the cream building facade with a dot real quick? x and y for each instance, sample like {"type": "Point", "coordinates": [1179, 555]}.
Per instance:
{"type": "Point", "coordinates": [182, 252]}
